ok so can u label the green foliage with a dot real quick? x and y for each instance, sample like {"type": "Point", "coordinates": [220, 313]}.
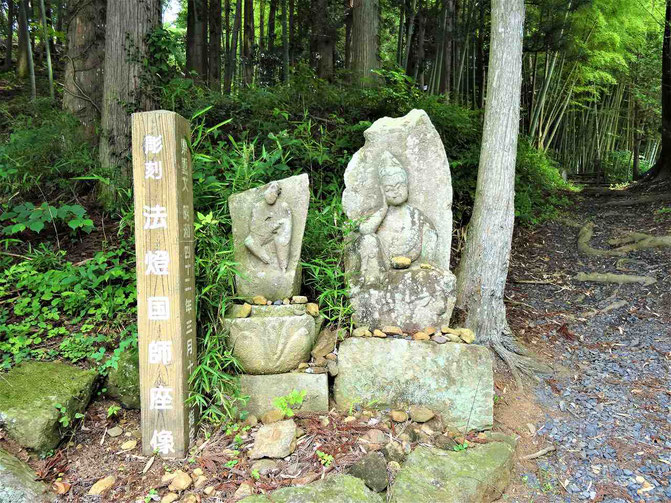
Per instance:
{"type": "Point", "coordinates": [64, 418]}
{"type": "Point", "coordinates": [26, 216]}
{"type": "Point", "coordinates": [324, 458]}
{"type": "Point", "coordinates": [41, 148]}
{"type": "Point", "coordinates": [287, 403]}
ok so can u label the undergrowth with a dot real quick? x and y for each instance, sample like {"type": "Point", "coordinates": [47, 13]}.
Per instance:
{"type": "Point", "coordinates": [52, 307]}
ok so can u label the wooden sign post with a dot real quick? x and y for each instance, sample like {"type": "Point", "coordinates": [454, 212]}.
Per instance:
{"type": "Point", "coordinates": [165, 279]}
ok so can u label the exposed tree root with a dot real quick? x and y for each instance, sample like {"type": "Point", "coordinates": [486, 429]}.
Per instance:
{"type": "Point", "coordinates": [584, 237]}
{"type": "Point", "coordinates": [621, 265]}
{"type": "Point", "coordinates": [651, 198]}
{"type": "Point", "coordinates": [518, 358]}
{"type": "Point", "coordinates": [620, 279]}
{"type": "Point", "coordinates": [640, 241]}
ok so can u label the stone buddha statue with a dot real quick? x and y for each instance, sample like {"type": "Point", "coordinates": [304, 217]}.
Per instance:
{"type": "Point", "coordinates": [396, 229]}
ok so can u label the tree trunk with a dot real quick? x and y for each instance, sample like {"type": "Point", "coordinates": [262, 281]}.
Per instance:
{"type": "Point", "coordinates": [232, 56]}
{"type": "Point", "coordinates": [662, 168]}
{"type": "Point", "coordinates": [10, 35]}
{"type": "Point", "coordinates": [271, 25]}
{"type": "Point", "coordinates": [128, 24]}
{"type": "Point", "coordinates": [324, 38]}
{"type": "Point", "coordinates": [214, 48]}
{"type": "Point", "coordinates": [47, 47]}
{"type": "Point", "coordinates": [285, 42]}
{"type": "Point", "coordinates": [83, 81]}
{"type": "Point", "coordinates": [348, 35]}
{"type": "Point", "coordinates": [196, 38]}
{"type": "Point", "coordinates": [248, 43]}
{"type": "Point", "coordinates": [28, 48]}
{"type": "Point", "coordinates": [484, 266]}
{"type": "Point", "coordinates": [448, 41]}
{"type": "Point", "coordinates": [22, 69]}
{"type": "Point", "coordinates": [365, 21]}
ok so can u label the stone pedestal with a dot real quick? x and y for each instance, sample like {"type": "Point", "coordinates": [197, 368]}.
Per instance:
{"type": "Point", "coordinates": [455, 380]}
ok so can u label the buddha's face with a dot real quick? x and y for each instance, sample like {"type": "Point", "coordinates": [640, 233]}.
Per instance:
{"type": "Point", "coordinates": [395, 189]}
{"type": "Point", "coordinates": [272, 193]}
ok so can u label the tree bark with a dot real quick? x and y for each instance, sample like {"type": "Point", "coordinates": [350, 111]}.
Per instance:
{"type": "Point", "coordinates": [47, 47]}
{"type": "Point", "coordinates": [22, 69]}
{"type": "Point", "coordinates": [196, 38]}
{"type": "Point", "coordinates": [10, 35]}
{"type": "Point", "coordinates": [28, 47]}
{"type": "Point", "coordinates": [324, 39]}
{"type": "Point", "coordinates": [365, 22]}
{"type": "Point", "coordinates": [232, 56]}
{"type": "Point", "coordinates": [271, 25]}
{"type": "Point", "coordinates": [83, 81]}
{"type": "Point", "coordinates": [128, 23]}
{"type": "Point", "coordinates": [285, 42]}
{"type": "Point", "coordinates": [248, 44]}
{"type": "Point", "coordinates": [484, 266]}
{"type": "Point", "coordinates": [214, 48]}
{"type": "Point", "coordinates": [662, 168]}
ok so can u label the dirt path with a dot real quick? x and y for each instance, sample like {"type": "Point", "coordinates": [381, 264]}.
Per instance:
{"type": "Point", "coordinates": [607, 407]}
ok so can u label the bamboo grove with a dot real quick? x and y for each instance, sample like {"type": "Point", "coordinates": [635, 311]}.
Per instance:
{"type": "Point", "coordinates": [591, 68]}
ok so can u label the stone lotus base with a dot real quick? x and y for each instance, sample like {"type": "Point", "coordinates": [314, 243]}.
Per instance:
{"type": "Point", "coordinates": [412, 299]}
{"type": "Point", "coordinates": [455, 380]}
{"type": "Point", "coordinates": [263, 389]}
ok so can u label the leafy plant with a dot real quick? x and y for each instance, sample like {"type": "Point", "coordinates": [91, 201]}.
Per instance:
{"type": "Point", "coordinates": [461, 447]}
{"type": "Point", "coordinates": [287, 403]}
{"type": "Point", "coordinates": [113, 410]}
{"type": "Point", "coordinates": [27, 216]}
{"type": "Point", "coordinates": [324, 458]}
{"type": "Point", "coordinates": [64, 417]}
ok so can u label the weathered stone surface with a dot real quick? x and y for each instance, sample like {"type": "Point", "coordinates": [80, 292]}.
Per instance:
{"type": "Point", "coordinates": [476, 475]}
{"type": "Point", "coordinates": [123, 382]}
{"type": "Point", "coordinates": [28, 394]}
{"type": "Point", "coordinates": [262, 389]}
{"type": "Point", "coordinates": [391, 187]}
{"type": "Point", "coordinates": [238, 310]}
{"type": "Point", "coordinates": [412, 299]}
{"type": "Point", "coordinates": [271, 345]}
{"type": "Point", "coordinates": [17, 482]}
{"type": "Point", "coordinates": [335, 489]}
{"type": "Point", "coordinates": [279, 310]}
{"type": "Point", "coordinates": [454, 380]}
{"type": "Point", "coordinates": [326, 341]}
{"type": "Point", "coordinates": [372, 469]}
{"type": "Point", "coordinates": [276, 440]}
{"type": "Point", "coordinates": [268, 225]}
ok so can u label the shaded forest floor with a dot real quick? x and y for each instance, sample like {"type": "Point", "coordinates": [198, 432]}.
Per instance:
{"type": "Point", "coordinates": [605, 409]}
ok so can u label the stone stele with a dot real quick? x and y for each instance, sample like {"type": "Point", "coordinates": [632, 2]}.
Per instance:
{"type": "Point", "coordinates": [399, 191]}
{"type": "Point", "coordinates": [271, 345]}
{"type": "Point", "coordinates": [268, 226]}
{"type": "Point", "coordinates": [455, 380]}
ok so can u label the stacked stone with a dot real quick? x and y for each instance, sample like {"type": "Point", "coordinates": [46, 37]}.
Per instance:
{"type": "Point", "coordinates": [273, 334]}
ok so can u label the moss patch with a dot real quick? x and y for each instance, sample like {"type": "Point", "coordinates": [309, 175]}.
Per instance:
{"type": "Point", "coordinates": [335, 489]}
{"type": "Point", "coordinates": [28, 395]}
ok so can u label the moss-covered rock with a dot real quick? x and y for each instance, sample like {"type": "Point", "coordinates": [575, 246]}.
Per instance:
{"type": "Point", "coordinates": [28, 397]}
{"type": "Point", "coordinates": [476, 475]}
{"type": "Point", "coordinates": [17, 482]}
{"type": "Point", "coordinates": [335, 489]}
{"type": "Point", "coordinates": [123, 382]}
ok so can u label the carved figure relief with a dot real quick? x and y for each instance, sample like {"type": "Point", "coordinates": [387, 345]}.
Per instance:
{"type": "Point", "coordinates": [270, 229]}
{"type": "Point", "coordinates": [397, 229]}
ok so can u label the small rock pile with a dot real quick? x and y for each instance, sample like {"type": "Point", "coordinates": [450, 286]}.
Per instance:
{"type": "Point", "coordinates": [442, 336]}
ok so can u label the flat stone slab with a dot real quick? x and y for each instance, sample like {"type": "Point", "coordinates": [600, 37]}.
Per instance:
{"type": "Point", "coordinates": [478, 474]}
{"type": "Point", "coordinates": [18, 484]}
{"type": "Point", "coordinates": [455, 380]}
{"type": "Point", "coordinates": [335, 489]}
{"type": "Point", "coordinates": [28, 395]}
{"type": "Point", "coordinates": [276, 440]}
{"type": "Point", "coordinates": [262, 389]}
{"type": "Point", "coordinates": [268, 225]}
{"type": "Point", "coordinates": [271, 345]}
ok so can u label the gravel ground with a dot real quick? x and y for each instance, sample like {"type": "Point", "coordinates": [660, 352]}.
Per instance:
{"type": "Point", "coordinates": [607, 406]}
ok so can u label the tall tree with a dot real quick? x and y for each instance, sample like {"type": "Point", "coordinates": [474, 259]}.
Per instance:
{"type": "Point", "coordinates": [484, 266]}
{"type": "Point", "coordinates": [231, 57]}
{"type": "Point", "coordinates": [662, 168]}
{"type": "Point", "coordinates": [10, 35]}
{"type": "Point", "coordinates": [272, 13]}
{"type": "Point", "coordinates": [196, 38]}
{"type": "Point", "coordinates": [214, 46]}
{"type": "Point", "coordinates": [47, 47]}
{"type": "Point", "coordinates": [24, 33]}
{"type": "Point", "coordinates": [128, 24]}
{"type": "Point", "coordinates": [324, 37]}
{"type": "Point", "coordinates": [248, 44]}
{"type": "Point", "coordinates": [83, 81]}
{"type": "Point", "coordinates": [22, 65]}
{"type": "Point", "coordinates": [365, 22]}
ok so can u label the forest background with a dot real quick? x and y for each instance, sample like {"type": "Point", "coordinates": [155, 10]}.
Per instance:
{"type": "Point", "coordinates": [274, 88]}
